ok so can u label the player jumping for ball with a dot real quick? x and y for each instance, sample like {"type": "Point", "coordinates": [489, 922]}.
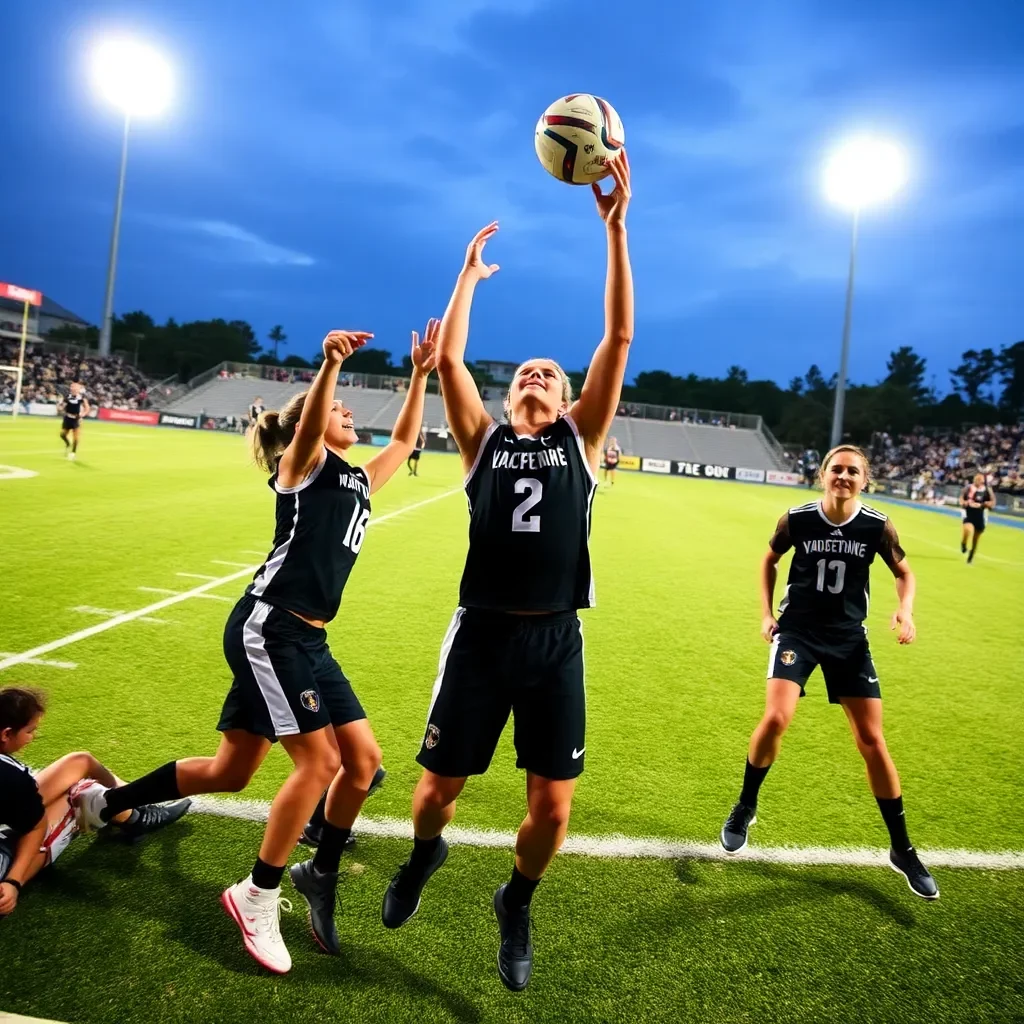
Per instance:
{"type": "Point", "coordinates": [287, 686]}
{"type": "Point", "coordinates": [73, 408]}
{"type": "Point", "coordinates": [821, 622]}
{"type": "Point", "coordinates": [41, 812]}
{"type": "Point", "coordinates": [514, 644]}
{"type": "Point", "coordinates": [975, 500]}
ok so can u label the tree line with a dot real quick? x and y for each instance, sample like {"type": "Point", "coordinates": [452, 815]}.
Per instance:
{"type": "Point", "coordinates": [986, 387]}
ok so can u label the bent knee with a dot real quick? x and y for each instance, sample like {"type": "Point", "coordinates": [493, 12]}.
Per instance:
{"type": "Point", "coordinates": [363, 765]}
{"type": "Point", "coordinates": [871, 744]}
{"type": "Point", "coordinates": [776, 721]}
{"type": "Point", "coordinates": [439, 791]}
{"type": "Point", "coordinates": [553, 814]}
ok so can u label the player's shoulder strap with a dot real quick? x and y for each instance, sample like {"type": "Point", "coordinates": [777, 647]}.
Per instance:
{"type": "Point", "coordinates": [810, 506]}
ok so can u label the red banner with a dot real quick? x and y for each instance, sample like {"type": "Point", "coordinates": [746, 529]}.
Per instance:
{"type": "Point", "coordinates": [149, 419]}
{"type": "Point", "coordinates": [19, 294]}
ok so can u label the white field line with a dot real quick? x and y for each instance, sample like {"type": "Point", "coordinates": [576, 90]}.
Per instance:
{"type": "Point", "coordinates": [237, 565]}
{"type": "Point", "coordinates": [195, 576]}
{"type": "Point", "coordinates": [648, 848]}
{"type": "Point", "coordinates": [167, 602]}
{"type": "Point", "coordinates": [45, 664]}
{"type": "Point", "coordinates": [258, 554]}
{"type": "Point", "coordinates": [216, 597]}
{"type": "Point", "coordinates": [157, 590]}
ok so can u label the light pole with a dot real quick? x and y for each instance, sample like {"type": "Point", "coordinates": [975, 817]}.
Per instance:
{"type": "Point", "coordinates": [861, 172]}
{"type": "Point", "coordinates": [137, 80]}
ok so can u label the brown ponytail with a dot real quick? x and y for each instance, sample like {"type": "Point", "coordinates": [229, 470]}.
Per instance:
{"type": "Point", "coordinates": [18, 707]}
{"type": "Point", "coordinates": [273, 432]}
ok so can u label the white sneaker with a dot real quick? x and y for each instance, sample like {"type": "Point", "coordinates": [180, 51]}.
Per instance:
{"type": "Point", "coordinates": [257, 912]}
{"type": "Point", "coordinates": [71, 455]}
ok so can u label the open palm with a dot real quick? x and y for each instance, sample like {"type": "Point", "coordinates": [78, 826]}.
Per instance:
{"type": "Point", "coordinates": [475, 264]}
{"type": "Point", "coordinates": [424, 353]}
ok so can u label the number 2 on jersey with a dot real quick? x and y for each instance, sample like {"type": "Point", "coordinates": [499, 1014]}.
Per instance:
{"type": "Point", "coordinates": [521, 523]}
{"type": "Point", "coordinates": [356, 531]}
{"type": "Point", "coordinates": [840, 568]}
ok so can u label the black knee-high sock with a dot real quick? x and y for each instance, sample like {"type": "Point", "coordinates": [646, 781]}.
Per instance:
{"type": "Point", "coordinates": [519, 890]}
{"type": "Point", "coordinates": [319, 817]}
{"type": "Point", "coordinates": [154, 788]}
{"type": "Point", "coordinates": [895, 822]}
{"type": "Point", "coordinates": [423, 851]}
{"type": "Point", "coordinates": [74, 445]}
{"type": "Point", "coordinates": [266, 876]}
{"type": "Point", "coordinates": [327, 858]}
{"type": "Point", "coordinates": [752, 779]}
{"type": "Point", "coordinates": [64, 438]}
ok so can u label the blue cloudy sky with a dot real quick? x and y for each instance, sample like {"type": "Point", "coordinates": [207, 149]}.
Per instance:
{"type": "Point", "coordinates": [326, 161]}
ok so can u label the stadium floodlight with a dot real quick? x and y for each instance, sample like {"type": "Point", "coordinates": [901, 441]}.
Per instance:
{"type": "Point", "coordinates": [862, 171]}
{"type": "Point", "coordinates": [137, 80]}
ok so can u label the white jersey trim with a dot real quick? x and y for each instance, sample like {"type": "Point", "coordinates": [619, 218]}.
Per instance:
{"type": "Point", "coordinates": [281, 715]}
{"type": "Point", "coordinates": [273, 564]}
{"type": "Point", "coordinates": [583, 450]}
{"type": "Point", "coordinates": [442, 662]}
{"type": "Point", "coordinates": [845, 522]}
{"type": "Point", "coordinates": [313, 474]}
{"type": "Point", "coordinates": [480, 452]}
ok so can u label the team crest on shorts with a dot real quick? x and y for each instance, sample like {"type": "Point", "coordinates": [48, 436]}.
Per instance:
{"type": "Point", "coordinates": [433, 735]}
{"type": "Point", "coordinates": [310, 700]}
{"type": "Point", "coordinates": [787, 657]}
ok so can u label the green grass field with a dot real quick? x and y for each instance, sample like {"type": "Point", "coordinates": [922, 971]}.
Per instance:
{"type": "Point", "coordinates": [675, 672]}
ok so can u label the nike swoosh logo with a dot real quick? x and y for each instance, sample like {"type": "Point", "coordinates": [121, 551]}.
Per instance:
{"type": "Point", "coordinates": [577, 753]}
{"type": "Point", "coordinates": [508, 440]}
{"type": "Point", "coordinates": [873, 679]}
{"type": "Point", "coordinates": [545, 441]}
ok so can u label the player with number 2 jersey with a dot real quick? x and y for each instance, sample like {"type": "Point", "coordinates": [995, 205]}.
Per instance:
{"type": "Point", "coordinates": [821, 623]}
{"type": "Point", "coordinates": [287, 685]}
{"type": "Point", "coordinates": [514, 645]}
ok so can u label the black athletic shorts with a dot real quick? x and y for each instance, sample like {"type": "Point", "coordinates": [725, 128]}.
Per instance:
{"type": "Point", "coordinates": [845, 663]}
{"type": "Point", "coordinates": [416, 454]}
{"type": "Point", "coordinates": [286, 680]}
{"type": "Point", "coordinates": [492, 664]}
{"type": "Point", "coordinates": [976, 517]}
{"type": "Point", "coordinates": [70, 423]}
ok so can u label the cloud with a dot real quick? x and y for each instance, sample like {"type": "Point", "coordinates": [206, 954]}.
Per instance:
{"type": "Point", "coordinates": [247, 247]}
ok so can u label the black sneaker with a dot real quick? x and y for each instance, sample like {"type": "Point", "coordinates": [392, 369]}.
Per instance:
{"type": "Point", "coordinates": [918, 878]}
{"type": "Point", "coordinates": [970, 557]}
{"type": "Point", "coordinates": [963, 549]}
{"type": "Point", "coordinates": [515, 954]}
{"type": "Point", "coordinates": [402, 898]}
{"type": "Point", "coordinates": [319, 892]}
{"type": "Point", "coordinates": [151, 817]}
{"type": "Point", "coordinates": [314, 830]}
{"type": "Point", "coordinates": [733, 836]}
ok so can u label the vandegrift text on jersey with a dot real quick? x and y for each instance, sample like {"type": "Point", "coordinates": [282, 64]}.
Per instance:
{"type": "Point", "coordinates": [836, 545]}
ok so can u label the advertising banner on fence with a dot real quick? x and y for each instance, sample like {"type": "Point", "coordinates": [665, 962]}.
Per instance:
{"type": "Point", "coordinates": [704, 469]}
{"type": "Point", "coordinates": [773, 476]}
{"type": "Point", "coordinates": [655, 466]}
{"type": "Point", "coordinates": [629, 462]}
{"type": "Point", "coordinates": [149, 419]}
{"type": "Point", "coordinates": [753, 476]}
{"type": "Point", "coordinates": [173, 419]}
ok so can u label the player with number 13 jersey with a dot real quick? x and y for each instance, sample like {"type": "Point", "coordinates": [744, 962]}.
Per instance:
{"type": "Point", "coordinates": [821, 624]}
{"type": "Point", "coordinates": [514, 646]}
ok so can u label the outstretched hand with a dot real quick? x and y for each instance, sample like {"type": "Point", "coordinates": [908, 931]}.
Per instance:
{"type": "Point", "coordinates": [339, 345]}
{"type": "Point", "coordinates": [612, 207]}
{"type": "Point", "coordinates": [475, 265]}
{"type": "Point", "coordinates": [424, 353]}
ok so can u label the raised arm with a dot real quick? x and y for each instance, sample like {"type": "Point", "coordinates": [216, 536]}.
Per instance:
{"type": "Point", "coordinates": [594, 410]}
{"type": "Point", "coordinates": [302, 453]}
{"type": "Point", "coordinates": [406, 433]}
{"type": "Point", "coordinates": [463, 406]}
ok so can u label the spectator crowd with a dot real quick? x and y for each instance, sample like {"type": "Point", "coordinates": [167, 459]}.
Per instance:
{"type": "Point", "coordinates": [929, 461]}
{"type": "Point", "coordinates": [47, 374]}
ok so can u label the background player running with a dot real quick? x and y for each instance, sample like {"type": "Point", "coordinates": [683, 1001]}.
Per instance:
{"type": "Point", "coordinates": [821, 622]}
{"type": "Point", "coordinates": [287, 685]}
{"type": "Point", "coordinates": [514, 644]}
{"type": "Point", "coordinates": [612, 452]}
{"type": "Point", "coordinates": [74, 406]}
{"type": "Point", "coordinates": [414, 458]}
{"type": "Point", "coordinates": [975, 499]}
{"type": "Point", "coordinates": [41, 813]}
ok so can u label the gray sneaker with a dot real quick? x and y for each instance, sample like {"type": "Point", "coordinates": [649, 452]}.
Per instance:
{"type": "Point", "coordinates": [320, 893]}
{"type": "Point", "coordinates": [734, 832]}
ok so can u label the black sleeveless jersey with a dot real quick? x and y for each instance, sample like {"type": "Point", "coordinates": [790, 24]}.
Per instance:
{"type": "Point", "coordinates": [611, 455]}
{"type": "Point", "coordinates": [21, 804]}
{"type": "Point", "coordinates": [978, 494]}
{"type": "Point", "coordinates": [320, 528]}
{"type": "Point", "coordinates": [254, 411]}
{"type": "Point", "coordinates": [828, 587]}
{"type": "Point", "coordinates": [73, 405]}
{"type": "Point", "coordinates": [529, 522]}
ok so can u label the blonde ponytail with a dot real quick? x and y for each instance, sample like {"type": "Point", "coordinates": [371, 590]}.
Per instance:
{"type": "Point", "coordinates": [273, 432]}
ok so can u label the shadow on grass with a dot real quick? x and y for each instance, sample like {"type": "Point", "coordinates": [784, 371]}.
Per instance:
{"type": "Point", "coordinates": [791, 886]}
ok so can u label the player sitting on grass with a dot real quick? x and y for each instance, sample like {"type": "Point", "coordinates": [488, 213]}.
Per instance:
{"type": "Point", "coordinates": [821, 622]}
{"type": "Point", "coordinates": [40, 814]}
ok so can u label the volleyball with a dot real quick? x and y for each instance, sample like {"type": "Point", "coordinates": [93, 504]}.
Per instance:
{"type": "Point", "coordinates": [577, 136]}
